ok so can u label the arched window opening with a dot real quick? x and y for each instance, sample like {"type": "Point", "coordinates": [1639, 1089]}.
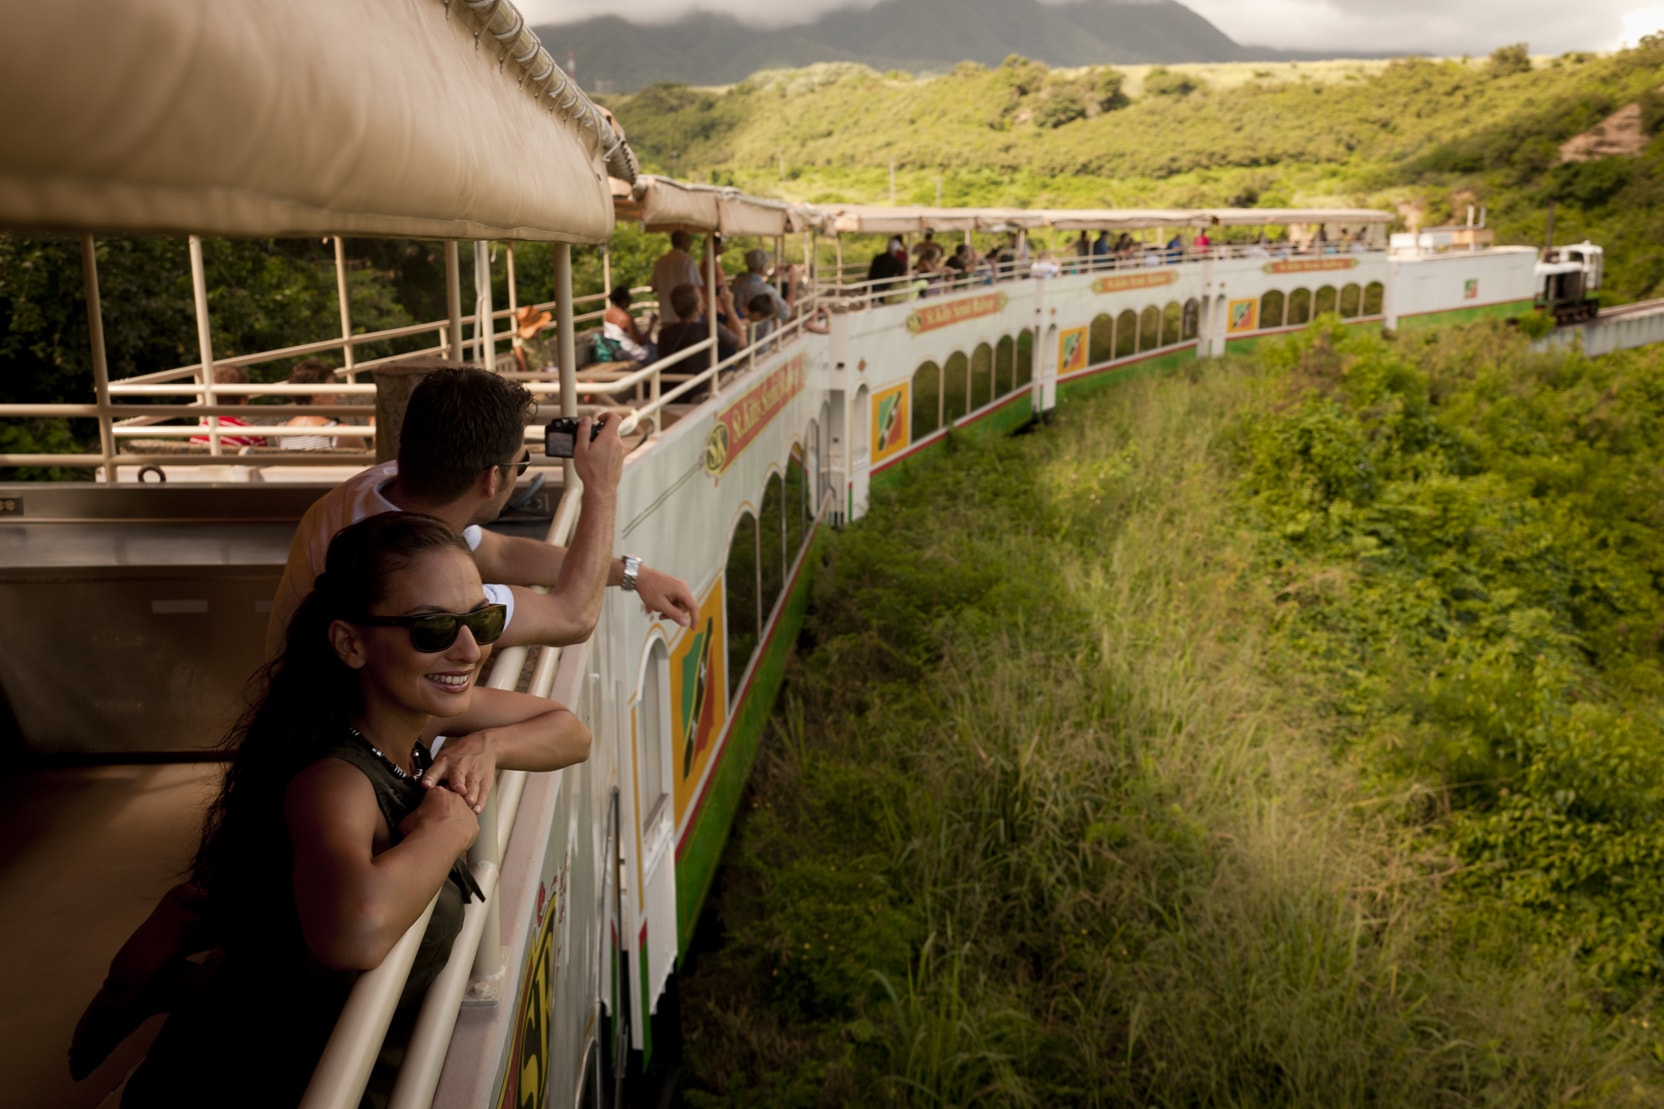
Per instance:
{"type": "Point", "coordinates": [927, 400]}
{"type": "Point", "coordinates": [653, 734]}
{"type": "Point", "coordinates": [1126, 334]}
{"type": "Point", "coordinates": [1149, 329]}
{"type": "Point", "coordinates": [812, 487]}
{"type": "Point", "coordinates": [1299, 307]}
{"type": "Point", "coordinates": [1352, 298]}
{"type": "Point", "coordinates": [1375, 298]}
{"type": "Point", "coordinates": [771, 539]}
{"type": "Point", "coordinates": [1025, 358]}
{"type": "Point", "coordinates": [742, 609]}
{"type": "Point", "coordinates": [1005, 358]}
{"type": "Point", "coordinates": [798, 511]}
{"type": "Point", "coordinates": [1101, 347]}
{"type": "Point", "coordinates": [1324, 302]}
{"type": "Point", "coordinates": [982, 375]}
{"type": "Point", "coordinates": [956, 387]}
{"type": "Point", "coordinates": [1272, 305]}
{"type": "Point", "coordinates": [1192, 319]}
{"type": "Point", "coordinates": [1170, 323]}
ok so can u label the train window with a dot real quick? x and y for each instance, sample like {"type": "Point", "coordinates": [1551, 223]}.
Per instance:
{"type": "Point", "coordinates": [1126, 334]}
{"type": "Point", "coordinates": [1149, 329]}
{"type": "Point", "coordinates": [1351, 298]}
{"type": "Point", "coordinates": [812, 483]}
{"type": "Point", "coordinates": [956, 387]}
{"type": "Point", "coordinates": [1192, 320]}
{"type": "Point", "coordinates": [798, 510]}
{"type": "Point", "coordinates": [653, 732]}
{"type": "Point", "coordinates": [1025, 358]}
{"type": "Point", "coordinates": [771, 542]}
{"type": "Point", "coordinates": [823, 454]}
{"type": "Point", "coordinates": [1271, 308]}
{"type": "Point", "coordinates": [1102, 345]}
{"type": "Point", "coordinates": [1299, 307]}
{"type": "Point", "coordinates": [1375, 295]}
{"type": "Point", "coordinates": [927, 400]}
{"type": "Point", "coordinates": [1170, 323]}
{"type": "Point", "coordinates": [1005, 365]}
{"type": "Point", "coordinates": [1324, 301]}
{"type": "Point", "coordinates": [740, 583]}
{"type": "Point", "coordinates": [982, 375]}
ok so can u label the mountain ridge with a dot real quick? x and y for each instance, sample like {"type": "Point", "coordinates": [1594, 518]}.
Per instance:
{"type": "Point", "coordinates": [702, 48]}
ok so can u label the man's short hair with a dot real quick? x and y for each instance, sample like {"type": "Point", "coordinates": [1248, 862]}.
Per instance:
{"type": "Point", "coordinates": [620, 296]}
{"type": "Point", "coordinates": [312, 371]}
{"type": "Point", "coordinates": [756, 260]}
{"type": "Point", "coordinates": [680, 240]}
{"type": "Point", "coordinates": [684, 299]}
{"type": "Point", "coordinates": [460, 421]}
{"type": "Point", "coordinates": [762, 304]}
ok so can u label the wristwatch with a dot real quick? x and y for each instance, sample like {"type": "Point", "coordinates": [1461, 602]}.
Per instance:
{"type": "Point", "coordinates": [632, 568]}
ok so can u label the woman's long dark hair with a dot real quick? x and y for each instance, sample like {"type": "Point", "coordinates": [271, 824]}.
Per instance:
{"type": "Point", "coordinates": [302, 702]}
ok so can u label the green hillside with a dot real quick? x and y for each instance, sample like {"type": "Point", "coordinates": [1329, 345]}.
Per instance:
{"type": "Point", "coordinates": [1425, 137]}
{"type": "Point", "coordinates": [1285, 732]}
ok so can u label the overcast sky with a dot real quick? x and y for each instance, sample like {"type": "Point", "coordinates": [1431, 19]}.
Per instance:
{"type": "Point", "coordinates": [1370, 26]}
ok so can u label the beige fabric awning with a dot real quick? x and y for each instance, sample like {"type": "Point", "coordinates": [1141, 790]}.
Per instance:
{"type": "Point", "coordinates": [1122, 219]}
{"type": "Point", "coordinates": [668, 205]}
{"type": "Point", "coordinates": [1259, 217]}
{"type": "Point", "coordinates": [243, 117]}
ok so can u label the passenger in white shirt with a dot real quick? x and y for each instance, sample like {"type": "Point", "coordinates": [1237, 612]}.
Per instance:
{"type": "Point", "coordinates": [676, 267]}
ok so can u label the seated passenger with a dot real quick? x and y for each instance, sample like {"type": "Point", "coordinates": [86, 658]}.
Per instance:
{"type": "Point", "coordinates": [886, 266]}
{"type": "Point", "coordinates": [231, 375]}
{"type": "Point", "coordinates": [618, 325]}
{"type": "Point", "coordinates": [1175, 248]}
{"type": "Point", "coordinates": [311, 372]}
{"type": "Point", "coordinates": [337, 824]}
{"type": "Point", "coordinates": [755, 283]}
{"type": "Point", "coordinates": [960, 265]}
{"type": "Point", "coordinates": [531, 346]}
{"type": "Point", "coordinates": [1201, 243]}
{"type": "Point", "coordinates": [693, 328]}
{"type": "Point", "coordinates": [1101, 248]}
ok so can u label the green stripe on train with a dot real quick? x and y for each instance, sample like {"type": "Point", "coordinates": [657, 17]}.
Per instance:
{"type": "Point", "coordinates": [1464, 315]}
{"type": "Point", "coordinates": [1243, 346]}
{"type": "Point", "coordinates": [697, 867]}
{"type": "Point", "coordinates": [1114, 374]}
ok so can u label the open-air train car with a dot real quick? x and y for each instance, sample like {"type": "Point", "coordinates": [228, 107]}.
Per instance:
{"type": "Point", "coordinates": [392, 119]}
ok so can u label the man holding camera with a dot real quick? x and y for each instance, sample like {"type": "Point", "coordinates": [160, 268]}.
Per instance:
{"type": "Point", "coordinates": [461, 449]}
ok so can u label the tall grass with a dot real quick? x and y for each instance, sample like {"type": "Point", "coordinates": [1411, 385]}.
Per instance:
{"type": "Point", "coordinates": [1053, 816]}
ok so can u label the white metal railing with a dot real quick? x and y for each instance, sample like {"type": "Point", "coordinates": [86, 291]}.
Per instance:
{"type": "Point", "coordinates": [345, 1066]}
{"type": "Point", "coordinates": [125, 411]}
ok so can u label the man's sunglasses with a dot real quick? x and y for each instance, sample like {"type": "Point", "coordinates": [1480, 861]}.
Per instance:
{"type": "Point", "coordinates": [432, 632]}
{"type": "Point", "coordinates": [522, 464]}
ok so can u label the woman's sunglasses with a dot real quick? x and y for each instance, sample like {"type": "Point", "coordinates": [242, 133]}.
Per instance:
{"type": "Point", "coordinates": [432, 632]}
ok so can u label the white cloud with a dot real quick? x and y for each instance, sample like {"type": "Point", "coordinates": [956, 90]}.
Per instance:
{"type": "Point", "coordinates": [1353, 26]}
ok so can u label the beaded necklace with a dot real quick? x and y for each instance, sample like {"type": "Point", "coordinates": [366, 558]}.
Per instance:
{"type": "Point", "coordinates": [418, 757]}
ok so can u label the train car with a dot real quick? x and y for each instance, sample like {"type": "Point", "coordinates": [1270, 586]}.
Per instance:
{"type": "Point", "coordinates": [558, 988]}
{"type": "Point", "coordinates": [1568, 282]}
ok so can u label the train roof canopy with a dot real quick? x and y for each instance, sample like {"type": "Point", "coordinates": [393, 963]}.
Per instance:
{"type": "Point", "coordinates": [403, 118]}
{"type": "Point", "coordinates": [1259, 217]}
{"type": "Point", "coordinates": [664, 204]}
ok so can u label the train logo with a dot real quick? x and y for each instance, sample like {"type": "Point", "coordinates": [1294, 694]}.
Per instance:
{"type": "Point", "coordinates": [716, 449]}
{"type": "Point", "coordinates": [1243, 316]}
{"type": "Point", "coordinates": [698, 696]}
{"type": "Point", "coordinates": [1470, 289]}
{"type": "Point", "coordinates": [1071, 350]}
{"type": "Point", "coordinates": [889, 422]}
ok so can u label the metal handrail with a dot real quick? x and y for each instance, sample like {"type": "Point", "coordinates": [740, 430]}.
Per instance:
{"type": "Point", "coordinates": [345, 1066]}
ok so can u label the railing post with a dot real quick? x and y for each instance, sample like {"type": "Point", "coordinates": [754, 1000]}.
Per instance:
{"type": "Point", "coordinates": [100, 359]}
{"type": "Point", "coordinates": [712, 299]}
{"type": "Point", "coordinates": [346, 308]}
{"type": "Point", "coordinates": [204, 339]}
{"type": "Point", "coordinates": [568, 341]}
{"type": "Point", "coordinates": [453, 299]}
{"type": "Point", "coordinates": [485, 328]}
{"type": "Point", "coordinates": [606, 268]}
{"type": "Point", "coordinates": [485, 985]}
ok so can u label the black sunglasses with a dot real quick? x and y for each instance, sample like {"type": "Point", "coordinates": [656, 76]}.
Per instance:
{"type": "Point", "coordinates": [522, 464]}
{"type": "Point", "coordinates": [432, 632]}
